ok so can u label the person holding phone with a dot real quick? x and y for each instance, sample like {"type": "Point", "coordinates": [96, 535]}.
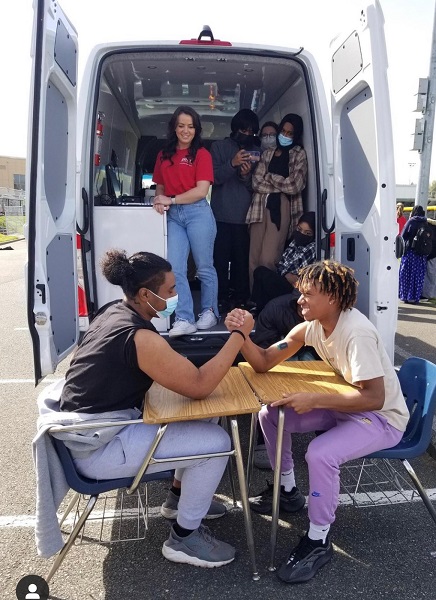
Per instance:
{"type": "Point", "coordinates": [277, 203]}
{"type": "Point", "coordinates": [234, 160]}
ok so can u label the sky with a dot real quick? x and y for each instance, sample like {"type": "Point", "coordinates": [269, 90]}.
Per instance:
{"type": "Point", "coordinates": [312, 24]}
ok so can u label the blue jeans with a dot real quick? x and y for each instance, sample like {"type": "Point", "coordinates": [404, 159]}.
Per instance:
{"type": "Point", "coordinates": [193, 227]}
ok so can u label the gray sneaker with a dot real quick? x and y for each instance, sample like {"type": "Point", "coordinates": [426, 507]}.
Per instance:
{"type": "Point", "coordinates": [170, 506]}
{"type": "Point", "coordinates": [200, 549]}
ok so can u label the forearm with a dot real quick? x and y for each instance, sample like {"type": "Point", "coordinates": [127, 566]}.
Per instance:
{"type": "Point", "coordinates": [211, 373]}
{"type": "Point", "coordinates": [191, 196]}
{"type": "Point", "coordinates": [264, 359]}
{"type": "Point", "coordinates": [354, 401]}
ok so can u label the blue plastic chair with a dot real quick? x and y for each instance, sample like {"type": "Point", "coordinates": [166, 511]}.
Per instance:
{"type": "Point", "coordinates": [88, 487]}
{"type": "Point", "coordinates": [418, 383]}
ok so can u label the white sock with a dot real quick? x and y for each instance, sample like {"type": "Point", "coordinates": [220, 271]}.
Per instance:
{"type": "Point", "coordinates": [318, 532]}
{"type": "Point", "coordinates": [287, 480]}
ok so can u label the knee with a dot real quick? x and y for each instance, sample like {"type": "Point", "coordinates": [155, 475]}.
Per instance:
{"type": "Point", "coordinates": [317, 454]}
{"type": "Point", "coordinates": [218, 439]}
{"type": "Point", "coordinates": [267, 416]}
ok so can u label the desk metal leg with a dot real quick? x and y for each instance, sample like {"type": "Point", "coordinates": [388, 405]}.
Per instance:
{"type": "Point", "coordinates": [229, 467]}
{"type": "Point", "coordinates": [244, 496]}
{"type": "Point", "coordinates": [276, 489]}
{"type": "Point", "coordinates": [252, 444]}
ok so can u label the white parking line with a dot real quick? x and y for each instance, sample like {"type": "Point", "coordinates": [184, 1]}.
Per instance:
{"type": "Point", "coordinates": [27, 380]}
{"type": "Point", "coordinates": [403, 353]}
{"type": "Point", "coordinates": [384, 499]}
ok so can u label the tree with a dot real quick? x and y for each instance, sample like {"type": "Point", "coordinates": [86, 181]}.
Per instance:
{"type": "Point", "coordinates": [432, 190]}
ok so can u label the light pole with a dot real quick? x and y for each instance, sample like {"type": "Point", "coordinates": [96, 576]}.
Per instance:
{"type": "Point", "coordinates": [411, 165]}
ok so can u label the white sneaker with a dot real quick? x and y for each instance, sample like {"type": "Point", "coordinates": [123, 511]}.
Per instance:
{"type": "Point", "coordinates": [182, 327]}
{"type": "Point", "coordinates": [207, 319]}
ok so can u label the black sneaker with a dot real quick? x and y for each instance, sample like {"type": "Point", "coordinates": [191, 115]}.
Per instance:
{"type": "Point", "coordinates": [289, 501]}
{"type": "Point", "coordinates": [305, 560]}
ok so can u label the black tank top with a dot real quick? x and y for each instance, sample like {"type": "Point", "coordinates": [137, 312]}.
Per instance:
{"type": "Point", "coordinates": [104, 374]}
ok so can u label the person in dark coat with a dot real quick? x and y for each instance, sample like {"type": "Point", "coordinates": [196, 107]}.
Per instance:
{"type": "Point", "coordinates": [413, 266]}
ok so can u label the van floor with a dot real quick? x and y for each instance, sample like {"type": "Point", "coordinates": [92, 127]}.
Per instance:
{"type": "Point", "coordinates": [202, 345]}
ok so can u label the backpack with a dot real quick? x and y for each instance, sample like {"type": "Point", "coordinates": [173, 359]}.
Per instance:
{"type": "Point", "coordinates": [423, 240]}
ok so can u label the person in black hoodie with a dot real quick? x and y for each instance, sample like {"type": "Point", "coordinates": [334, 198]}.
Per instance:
{"type": "Point", "coordinates": [233, 165]}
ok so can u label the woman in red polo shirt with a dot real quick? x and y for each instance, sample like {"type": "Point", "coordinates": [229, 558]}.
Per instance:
{"type": "Point", "coordinates": [183, 174]}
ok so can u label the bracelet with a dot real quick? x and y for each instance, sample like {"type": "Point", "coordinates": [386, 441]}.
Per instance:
{"type": "Point", "coordinates": [240, 333]}
{"type": "Point", "coordinates": [173, 199]}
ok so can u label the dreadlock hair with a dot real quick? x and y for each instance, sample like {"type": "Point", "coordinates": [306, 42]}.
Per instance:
{"type": "Point", "coordinates": [143, 269]}
{"type": "Point", "coordinates": [332, 278]}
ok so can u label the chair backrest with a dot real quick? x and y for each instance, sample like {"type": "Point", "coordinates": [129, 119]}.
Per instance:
{"type": "Point", "coordinates": [84, 485]}
{"type": "Point", "coordinates": [418, 383]}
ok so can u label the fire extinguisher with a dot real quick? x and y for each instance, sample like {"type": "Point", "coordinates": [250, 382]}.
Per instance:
{"type": "Point", "coordinates": [98, 138]}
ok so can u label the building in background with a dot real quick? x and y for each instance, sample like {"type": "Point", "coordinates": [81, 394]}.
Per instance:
{"type": "Point", "coordinates": [12, 173]}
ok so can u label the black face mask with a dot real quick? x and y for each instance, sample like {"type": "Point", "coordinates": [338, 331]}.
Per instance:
{"type": "Point", "coordinates": [300, 239]}
{"type": "Point", "coordinates": [245, 141]}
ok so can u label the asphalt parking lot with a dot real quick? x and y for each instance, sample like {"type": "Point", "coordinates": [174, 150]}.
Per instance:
{"type": "Point", "coordinates": [384, 552]}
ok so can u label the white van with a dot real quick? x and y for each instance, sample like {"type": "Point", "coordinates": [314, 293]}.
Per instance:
{"type": "Point", "coordinates": [89, 170]}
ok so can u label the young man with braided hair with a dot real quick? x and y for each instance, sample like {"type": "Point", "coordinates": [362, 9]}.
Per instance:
{"type": "Point", "coordinates": [370, 417]}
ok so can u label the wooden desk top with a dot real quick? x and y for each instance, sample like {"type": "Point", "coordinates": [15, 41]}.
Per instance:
{"type": "Point", "coordinates": [233, 396]}
{"type": "Point", "coordinates": [294, 376]}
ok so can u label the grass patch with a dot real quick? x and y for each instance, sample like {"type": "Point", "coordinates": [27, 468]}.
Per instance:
{"type": "Point", "coordinates": [8, 238]}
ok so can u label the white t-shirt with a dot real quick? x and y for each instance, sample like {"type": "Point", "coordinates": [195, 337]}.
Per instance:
{"type": "Point", "coordinates": [355, 351]}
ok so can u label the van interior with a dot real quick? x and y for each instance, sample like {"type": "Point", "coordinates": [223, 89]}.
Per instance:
{"type": "Point", "coordinates": [138, 90]}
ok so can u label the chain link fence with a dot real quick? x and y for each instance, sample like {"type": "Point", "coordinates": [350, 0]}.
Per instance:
{"type": "Point", "coordinates": [14, 220]}
{"type": "Point", "coordinates": [12, 211]}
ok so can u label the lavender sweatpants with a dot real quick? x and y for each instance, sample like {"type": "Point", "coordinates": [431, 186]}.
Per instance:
{"type": "Point", "coordinates": [346, 436]}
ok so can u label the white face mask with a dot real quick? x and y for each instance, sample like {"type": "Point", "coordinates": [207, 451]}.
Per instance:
{"type": "Point", "coordinates": [171, 304]}
{"type": "Point", "coordinates": [268, 141]}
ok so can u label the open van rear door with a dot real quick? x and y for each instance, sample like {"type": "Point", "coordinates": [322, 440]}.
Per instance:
{"type": "Point", "coordinates": [50, 205]}
{"type": "Point", "coordinates": [364, 178]}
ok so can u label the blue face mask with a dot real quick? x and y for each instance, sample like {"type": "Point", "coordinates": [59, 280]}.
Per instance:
{"type": "Point", "coordinates": [171, 306]}
{"type": "Point", "coordinates": [285, 141]}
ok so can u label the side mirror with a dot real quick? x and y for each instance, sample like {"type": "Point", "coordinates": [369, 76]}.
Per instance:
{"type": "Point", "coordinates": [399, 246]}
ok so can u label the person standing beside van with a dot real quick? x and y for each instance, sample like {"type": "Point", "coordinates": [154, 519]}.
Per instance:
{"type": "Point", "coordinates": [183, 174]}
{"type": "Point", "coordinates": [401, 219]}
{"type": "Point", "coordinates": [413, 264]}
{"type": "Point", "coordinates": [277, 202]}
{"type": "Point", "coordinates": [231, 196]}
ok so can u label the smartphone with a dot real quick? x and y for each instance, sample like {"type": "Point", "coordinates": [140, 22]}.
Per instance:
{"type": "Point", "coordinates": [254, 155]}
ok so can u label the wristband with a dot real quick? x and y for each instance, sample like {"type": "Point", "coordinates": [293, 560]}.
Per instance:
{"type": "Point", "coordinates": [240, 333]}
{"type": "Point", "coordinates": [173, 199]}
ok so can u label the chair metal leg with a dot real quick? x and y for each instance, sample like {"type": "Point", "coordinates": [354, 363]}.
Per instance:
{"type": "Point", "coordinates": [74, 500]}
{"type": "Point", "coordinates": [159, 434]}
{"type": "Point", "coordinates": [244, 497]}
{"type": "Point", "coordinates": [421, 490]}
{"type": "Point", "coordinates": [73, 535]}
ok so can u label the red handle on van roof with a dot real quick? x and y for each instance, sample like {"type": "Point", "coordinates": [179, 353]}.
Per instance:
{"type": "Point", "coordinates": [206, 32]}
{"type": "Point", "coordinates": [194, 42]}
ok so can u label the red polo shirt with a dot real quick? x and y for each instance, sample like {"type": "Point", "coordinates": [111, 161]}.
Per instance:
{"type": "Point", "coordinates": [183, 174]}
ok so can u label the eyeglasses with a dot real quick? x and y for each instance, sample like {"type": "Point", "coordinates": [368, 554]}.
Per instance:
{"type": "Point", "coordinates": [307, 232]}
{"type": "Point", "coordinates": [271, 136]}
